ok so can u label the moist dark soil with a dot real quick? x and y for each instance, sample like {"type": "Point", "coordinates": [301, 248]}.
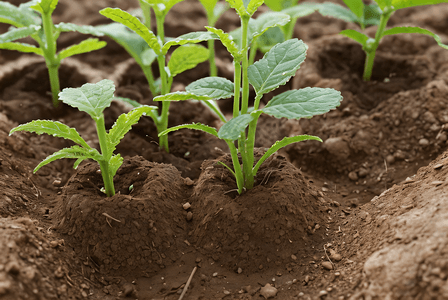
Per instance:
{"type": "Point", "coordinates": [362, 215]}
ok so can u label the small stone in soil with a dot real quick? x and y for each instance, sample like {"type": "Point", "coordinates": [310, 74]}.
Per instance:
{"type": "Point", "coordinates": [189, 216]}
{"type": "Point", "coordinates": [268, 291]}
{"type": "Point", "coordinates": [353, 176]}
{"type": "Point", "coordinates": [327, 265]}
{"type": "Point", "coordinates": [186, 205]}
{"type": "Point", "coordinates": [423, 142]}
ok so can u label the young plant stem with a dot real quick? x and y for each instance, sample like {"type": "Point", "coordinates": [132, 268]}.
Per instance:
{"type": "Point", "coordinates": [211, 58]}
{"type": "Point", "coordinates": [371, 49]}
{"type": "Point", "coordinates": [237, 167]}
{"type": "Point", "coordinates": [290, 29]}
{"type": "Point", "coordinates": [51, 60]}
{"type": "Point", "coordinates": [245, 65]}
{"type": "Point", "coordinates": [104, 164]}
{"type": "Point", "coordinates": [146, 9]}
{"type": "Point", "coordinates": [253, 52]}
{"type": "Point", "coordinates": [237, 84]}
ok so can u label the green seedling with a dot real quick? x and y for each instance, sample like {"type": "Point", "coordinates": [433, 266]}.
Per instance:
{"type": "Point", "coordinates": [283, 31]}
{"type": "Point", "coordinates": [27, 23]}
{"type": "Point", "coordinates": [274, 69]}
{"type": "Point", "coordinates": [185, 57]}
{"type": "Point", "coordinates": [375, 14]}
{"type": "Point", "coordinates": [214, 10]}
{"type": "Point", "coordinates": [92, 99]}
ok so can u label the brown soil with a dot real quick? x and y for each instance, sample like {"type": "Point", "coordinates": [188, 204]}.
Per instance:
{"type": "Point", "coordinates": [360, 216]}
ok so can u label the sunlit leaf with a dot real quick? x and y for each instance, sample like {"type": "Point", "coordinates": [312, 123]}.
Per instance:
{"type": "Point", "coordinates": [195, 126]}
{"type": "Point", "coordinates": [232, 130]}
{"type": "Point", "coordinates": [83, 47]}
{"type": "Point", "coordinates": [213, 87]}
{"type": "Point", "coordinates": [187, 57]}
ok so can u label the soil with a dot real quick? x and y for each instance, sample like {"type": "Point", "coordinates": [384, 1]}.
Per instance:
{"type": "Point", "coordinates": [362, 215]}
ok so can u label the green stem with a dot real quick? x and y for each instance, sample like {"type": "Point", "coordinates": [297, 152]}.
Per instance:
{"type": "Point", "coordinates": [236, 166]}
{"type": "Point", "coordinates": [245, 65]}
{"type": "Point", "coordinates": [51, 60]}
{"type": "Point", "coordinates": [253, 52]}
{"type": "Point", "coordinates": [211, 58]}
{"type": "Point", "coordinates": [250, 145]}
{"type": "Point", "coordinates": [371, 49]}
{"type": "Point", "coordinates": [237, 84]}
{"type": "Point", "coordinates": [104, 164]}
{"type": "Point", "coordinates": [290, 29]}
{"type": "Point", "coordinates": [146, 9]}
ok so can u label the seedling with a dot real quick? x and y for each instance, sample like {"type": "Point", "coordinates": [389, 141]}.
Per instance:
{"type": "Point", "coordinates": [92, 99]}
{"type": "Point", "coordinates": [274, 69]}
{"type": "Point", "coordinates": [26, 23]}
{"type": "Point", "coordinates": [185, 57]}
{"type": "Point", "coordinates": [375, 14]}
{"type": "Point", "coordinates": [214, 10]}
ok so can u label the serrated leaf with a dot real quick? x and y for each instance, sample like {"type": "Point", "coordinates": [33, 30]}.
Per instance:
{"type": "Point", "coordinates": [83, 47]}
{"type": "Point", "coordinates": [18, 33]}
{"type": "Point", "coordinates": [303, 103]}
{"type": "Point", "coordinates": [162, 6]}
{"type": "Point", "coordinates": [187, 57]}
{"type": "Point", "coordinates": [253, 6]}
{"type": "Point", "coordinates": [135, 25]}
{"type": "Point", "coordinates": [180, 96]}
{"type": "Point", "coordinates": [91, 98]}
{"type": "Point", "coordinates": [301, 10]}
{"type": "Point", "coordinates": [337, 11]}
{"type": "Point", "coordinates": [45, 6]}
{"type": "Point", "coordinates": [406, 29]}
{"type": "Point", "coordinates": [398, 4]}
{"type": "Point", "coordinates": [356, 7]}
{"type": "Point", "coordinates": [134, 44]}
{"type": "Point", "coordinates": [124, 123]}
{"type": "Point", "coordinates": [232, 130]}
{"type": "Point", "coordinates": [17, 16]}
{"type": "Point", "coordinates": [195, 126]}
{"type": "Point", "coordinates": [277, 66]}
{"type": "Point", "coordinates": [54, 128]}
{"type": "Point", "coordinates": [278, 5]}
{"type": "Point", "coordinates": [213, 87]}
{"type": "Point", "coordinates": [22, 47]}
{"type": "Point", "coordinates": [227, 41]}
{"type": "Point", "coordinates": [280, 144]}
{"type": "Point", "coordinates": [115, 163]}
{"type": "Point", "coordinates": [86, 29]}
{"type": "Point", "coordinates": [238, 5]}
{"type": "Point", "coordinates": [72, 152]}
{"type": "Point", "coordinates": [356, 36]}
{"type": "Point", "coordinates": [269, 20]}
{"type": "Point", "coordinates": [189, 38]}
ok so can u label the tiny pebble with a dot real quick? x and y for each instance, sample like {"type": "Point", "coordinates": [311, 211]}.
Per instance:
{"type": "Point", "coordinates": [329, 289]}
{"type": "Point", "coordinates": [186, 205]}
{"type": "Point", "coordinates": [363, 172]}
{"type": "Point", "coordinates": [268, 291]}
{"type": "Point", "coordinates": [323, 293]}
{"type": "Point", "coordinates": [57, 182]}
{"type": "Point", "coordinates": [189, 216]}
{"type": "Point", "coordinates": [327, 265]}
{"type": "Point", "coordinates": [390, 159]}
{"type": "Point", "coordinates": [215, 274]}
{"type": "Point", "coordinates": [337, 274]}
{"type": "Point", "coordinates": [353, 176]}
{"type": "Point", "coordinates": [293, 257]}
{"type": "Point", "coordinates": [423, 142]}
{"type": "Point", "coordinates": [226, 292]}
{"type": "Point", "coordinates": [84, 294]}
{"type": "Point", "coordinates": [240, 271]}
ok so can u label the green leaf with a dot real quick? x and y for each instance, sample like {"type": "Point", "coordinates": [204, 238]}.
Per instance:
{"type": "Point", "coordinates": [356, 36]}
{"type": "Point", "coordinates": [220, 8]}
{"type": "Point", "coordinates": [134, 44]}
{"type": "Point", "coordinates": [253, 6]}
{"type": "Point", "coordinates": [73, 152]}
{"type": "Point", "coordinates": [17, 16]}
{"type": "Point", "coordinates": [91, 98]}
{"type": "Point", "coordinates": [269, 20]}
{"type": "Point", "coordinates": [356, 6]}
{"type": "Point", "coordinates": [301, 10]}
{"type": "Point", "coordinates": [213, 87]}
{"type": "Point", "coordinates": [270, 38]}
{"type": "Point", "coordinates": [187, 57]}
{"type": "Point", "coordinates": [303, 103]}
{"type": "Point", "coordinates": [372, 14]}
{"type": "Point", "coordinates": [337, 11]}
{"type": "Point", "coordinates": [195, 126]}
{"type": "Point", "coordinates": [397, 30]}
{"type": "Point", "coordinates": [115, 163]}
{"type": "Point", "coordinates": [238, 5]}
{"type": "Point", "coordinates": [134, 24]}
{"type": "Point", "coordinates": [280, 144]}
{"type": "Point", "coordinates": [232, 130]}
{"type": "Point", "coordinates": [162, 6]}
{"type": "Point", "coordinates": [398, 4]}
{"type": "Point", "coordinates": [189, 38]}
{"type": "Point", "coordinates": [278, 5]}
{"type": "Point", "coordinates": [179, 96]}
{"type": "Point", "coordinates": [124, 123]}
{"type": "Point", "coordinates": [209, 5]}
{"type": "Point", "coordinates": [86, 29]}
{"type": "Point", "coordinates": [45, 6]}
{"type": "Point", "coordinates": [18, 33]}
{"type": "Point", "coordinates": [227, 41]}
{"type": "Point", "coordinates": [277, 66]}
{"type": "Point", "coordinates": [83, 47]}
{"type": "Point", "coordinates": [26, 48]}
{"type": "Point", "coordinates": [53, 128]}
